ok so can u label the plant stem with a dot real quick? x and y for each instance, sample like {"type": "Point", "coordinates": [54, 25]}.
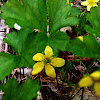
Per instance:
{"type": "Point", "coordinates": [84, 66]}
{"type": "Point", "coordinates": [82, 93]}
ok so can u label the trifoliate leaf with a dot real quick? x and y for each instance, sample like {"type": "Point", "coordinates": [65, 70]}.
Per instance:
{"type": "Point", "coordinates": [89, 47]}
{"type": "Point", "coordinates": [7, 64]}
{"type": "Point", "coordinates": [40, 41]}
{"type": "Point", "coordinates": [94, 19]}
{"type": "Point", "coordinates": [26, 14]}
{"type": "Point", "coordinates": [59, 17]}
{"type": "Point", "coordinates": [13, 91]}
{"type": "Point", "coordinates": [57, 41]}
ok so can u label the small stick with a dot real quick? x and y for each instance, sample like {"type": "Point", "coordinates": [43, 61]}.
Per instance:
{"type": "Point", "coordinates": [6, 45]}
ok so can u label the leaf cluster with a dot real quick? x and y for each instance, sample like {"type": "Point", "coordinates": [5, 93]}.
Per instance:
{"type": "Point", "coordinates": [14, 91]}
{"type": "Point", "coordinates": [31, 15]}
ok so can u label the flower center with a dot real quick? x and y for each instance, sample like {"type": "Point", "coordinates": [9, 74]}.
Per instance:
{"type": "Point", "coordinates": [47, 60]}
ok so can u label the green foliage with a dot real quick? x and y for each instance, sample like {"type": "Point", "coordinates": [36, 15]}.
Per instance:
{"type": "Point", "coordinates": [32, 15]}
{"type": "Point", "coordinates": [80, 30]}
{"type": "Point", "coordinates": [37, 43]}
{"type": "Point", "coordinates": [94, 19]}
{"type": "Point", "coordinates": [22, 46]}
{"type": "Point", "coordinates": [7, 64]}
{"type": "Point", "coordinates": [75, 11]}
{"type": "Point", "coordinates": [58, 41]}
{"type": "Point", "coordinates": [13, 91]}
{"type": "Point", "coordinates": [24, 58]}
{"type": "Point", "coordinates": [81, 25]}
{"type": "Point", "coordinates": [17, 39]}
{"type": "Point", "coordinates": [58, 12]}
{"type": "Point", "coordinates": [55, 41]}
{"type": "Point", "coordinates": [26, 14]}
{"type": "Point", "coordinates": [89, 47]}
{"type": "Point", "coordinates": [34, 42]}
{"type": "Point", "coordinates": [66, 69]}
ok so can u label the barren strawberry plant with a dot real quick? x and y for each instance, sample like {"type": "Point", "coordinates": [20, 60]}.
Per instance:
{"type": "Point", "coordinates": [51, 47]}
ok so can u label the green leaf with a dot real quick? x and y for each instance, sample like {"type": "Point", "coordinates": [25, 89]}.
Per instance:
{"type": "Point", "coordinates": [82, 23]}
{"type": "Point", "coordinates": [75, 11]}
{"type": "Point", "coordinates": [41, 41]}
{"type": "Point", "coordinates": [21, 44]}
{"type": "Point", "coordinates": [17, 39]}
{"type": "Point", "coordinates": [94, 19]}
{"type": "Point", "coordinates": [29, 49]}
{"type": "Point", "coordinates": [7, 64]}
{"type": "Point", "coordinates": [89, 47]}
{"type": "Point", "coordinates": [23, 61]}
{"type": "Point", "coordinates": [57, 41]}
{"type": "Point", "coordinates": [13, 91]}
{"type": "Point", "coordinates": [59, 17]}
{"type": "Point", "coordinates": [26, 14]}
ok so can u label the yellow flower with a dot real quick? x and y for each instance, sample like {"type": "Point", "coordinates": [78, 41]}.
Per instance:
{"type": "Point", "coordinates": [48, 61]}
{"type": "Point", "coordinates": [69, 3]}
{"type": "Point", "coordinates": [88, 81]}
{"type": "Point", "coordinates": [89, 4]}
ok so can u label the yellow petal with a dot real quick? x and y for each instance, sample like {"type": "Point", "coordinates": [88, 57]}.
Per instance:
{"type": "Point", "coordinates": [57, 62]}
{"type": "Point", "coordinates": [95, 5]}
{"type": "Point", "coordinates": [67, 2]}
{"type": "Point", "coordinates": [48, 51]}
{"type": "Point", "coordinates": [96, 0]}
{"type": "Point", "coordinates": [38, 67]}
{"type": "Point", "coordinates": [86, 81]}
{"type": "Point", "coordinates": [38, 57]}
{"type": "Point", "coordinates": [71, 4]}
{"type": "Point", "coordinates": [84, 3]}
{"type": "Point", "coordinates": [96, 75]}
{"type": "Point", "coordinates": [81, 38]}
{"type": "Point", "coordinates": [88, 7]}
{"type": "Point", "coordinates": [50, 71]}
{"type": "Point", "coordinates": [97, 88]}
